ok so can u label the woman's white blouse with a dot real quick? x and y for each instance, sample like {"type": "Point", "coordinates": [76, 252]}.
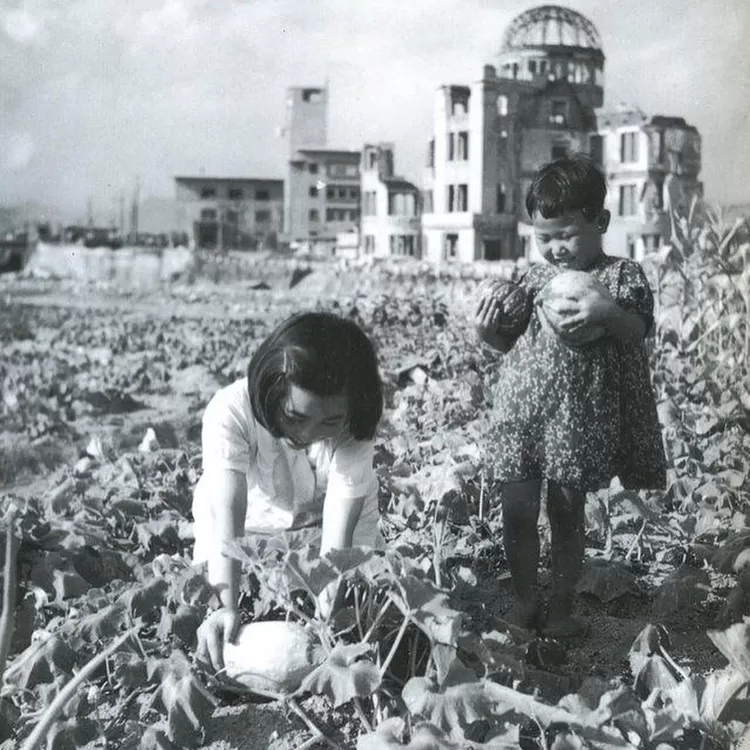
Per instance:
{"type": "Point", "coordinates": [286, 487]}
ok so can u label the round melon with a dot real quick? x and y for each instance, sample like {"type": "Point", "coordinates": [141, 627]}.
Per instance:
{"type": "Point", "coordinates": [514, 302]}
{"type": "Point", "coordinates": [567, 284]}
{"type": "Point", "coordinates": [272, 656]}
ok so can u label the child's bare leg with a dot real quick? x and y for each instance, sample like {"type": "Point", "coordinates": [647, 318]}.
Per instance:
{"type": "Point", "coordinates": [521, 539]}
{"type": "Point", "coordinates": [566, 511]}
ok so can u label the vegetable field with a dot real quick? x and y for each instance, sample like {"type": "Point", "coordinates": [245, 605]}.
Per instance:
{"type": "Point", "coordinates": [102, 393]}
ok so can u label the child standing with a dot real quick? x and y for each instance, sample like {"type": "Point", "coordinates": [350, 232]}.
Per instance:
{"type": "Point", "coordinates": [570, 413]}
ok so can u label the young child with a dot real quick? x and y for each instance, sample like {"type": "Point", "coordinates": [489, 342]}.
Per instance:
{"type": "Point", "coordinates": [289, 446]}
{"type": "Point", "coordinates": [571, 414]}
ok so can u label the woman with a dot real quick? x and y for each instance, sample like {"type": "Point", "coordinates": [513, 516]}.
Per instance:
{"type": "Point", "coordinates": [289, 446]}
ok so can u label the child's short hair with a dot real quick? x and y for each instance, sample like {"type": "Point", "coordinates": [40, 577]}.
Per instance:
{"type": "Point", "coordinates": [573, 183]}
{"type": "Point", "coordinates": [324, 354]}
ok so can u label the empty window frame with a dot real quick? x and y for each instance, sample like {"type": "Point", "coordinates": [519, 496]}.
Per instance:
{"type": "Point", "coordinates": [627, 203]}
{"type": "Point", "coordinates": [207, 193]}
{"type": "Point", "coordinates": [558, 112]}
{"type": "Point", "coordinates": [235, 194]}
{"type": "Point", "coordinates": [629, 147]}
{"type": "Point", "coordinates": [501, 198]}
{"type": "Point", "coordinates": [450, 248]}
{"type": "Point", "coordinates": [262, 195]}
{"type": "Point", "coordinates": [462, 145]}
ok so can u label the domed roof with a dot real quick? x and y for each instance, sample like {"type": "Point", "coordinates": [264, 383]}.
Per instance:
{"type": "Point", "coordinates": [551, 26]}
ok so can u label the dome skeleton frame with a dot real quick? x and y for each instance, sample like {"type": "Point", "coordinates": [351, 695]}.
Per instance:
{"type": "Point", "coordinates": [551, 26]}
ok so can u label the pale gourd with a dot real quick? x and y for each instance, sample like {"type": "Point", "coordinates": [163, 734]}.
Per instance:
{"type": "Point", "coordinates": [271, 656]}
{"type": "Point", "coordinates": [567, 284]}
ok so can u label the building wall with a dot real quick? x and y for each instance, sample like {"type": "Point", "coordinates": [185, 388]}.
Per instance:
{"type": "Point", "coordinates": [228, 213]}
{"type": "Point", "coordinates": [391, 223]}
{"type": "Point", "coordinates": [323, 195]}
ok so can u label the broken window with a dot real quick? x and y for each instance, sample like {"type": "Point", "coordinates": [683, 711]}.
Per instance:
{"type": "Point", "coordinates": [500, 198]}
{"type": "Point", "coordinates": [629, 147]}
{"type": "Point", "coordinates": [462, 198]}
{"type": "Point", "coordinates": [627, 203]}
{"type": "Point", "coordinates": [451, 246]}
{"type": "Point", "coordinates": [451, 146]}
{"type": "Point", "coordinates": [312, 168]}
{"type": "Point", "coordinates": [262, 217]}
{"type": "Point", "coordinates": [313, 191]}
{"type": "Point", "coordinates": [207, 193]}
{"type": "Point", "coordinates": [235, 194]}
{"type": "Point", "coordinates": [313, 214]}
{"type": "Point", "coordinates": [262, 195]}
{"type": "Point", "coordinates": [631, 245]}
{"type": "Point", "coordinates": [558, 112]}
{"type": "Point", "coordinates": [462, 146]}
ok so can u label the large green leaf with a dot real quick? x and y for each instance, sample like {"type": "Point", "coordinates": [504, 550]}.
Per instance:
{"type": "Point", "coordinates": [452, 707]}
{"type": "Point", "coordinates": [734, 644]}
{"type": "Point", "coordinates": [346, 673]}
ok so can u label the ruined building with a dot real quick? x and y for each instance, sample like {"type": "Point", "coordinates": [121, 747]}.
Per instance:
{"type": "Point", "coordinates": [322, 185]}
{"type": "Point", "coordinates": [544, 98]}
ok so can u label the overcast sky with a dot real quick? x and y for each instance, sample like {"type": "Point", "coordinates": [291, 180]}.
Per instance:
{"type": "Point", "coordinates": [95, 92]}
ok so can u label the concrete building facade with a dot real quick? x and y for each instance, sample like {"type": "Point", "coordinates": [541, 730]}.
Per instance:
{"type": "Point", "coordinates": [226, 213]}
{"type": "Point", "coordinates": [391, 223]}
{"type": "Point", "coordinates": [322, 195]}
{"type": "Point", "coordinates": [543, 100]}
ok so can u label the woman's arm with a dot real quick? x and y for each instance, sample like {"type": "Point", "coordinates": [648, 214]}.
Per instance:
{"type": "Point", "coordinates": [228, 507]}
{"type": "Point", "coordinates": [340, 516]}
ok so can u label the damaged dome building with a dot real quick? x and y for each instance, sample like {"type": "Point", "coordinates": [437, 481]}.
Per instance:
{"type": "Point", "coordinates": [543, 99]}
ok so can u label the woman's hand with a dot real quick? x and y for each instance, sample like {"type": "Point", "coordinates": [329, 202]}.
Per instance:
{"type": "Point", "coordinates": [218, 629]}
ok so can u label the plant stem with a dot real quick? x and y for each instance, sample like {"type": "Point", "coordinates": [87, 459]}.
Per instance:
{"type": "Point", "coordinates": [361, 713]}
{"type": "Point", "coordinates": [376, 622]}
{"type": "Point", "coordinates": [317, 733]}
{"type": "Point", "coordinates": [48, 718]}
{"type": "Point", "coordinates": [396, 644]}
{"type": "Point", "coordinates": [9, 589]}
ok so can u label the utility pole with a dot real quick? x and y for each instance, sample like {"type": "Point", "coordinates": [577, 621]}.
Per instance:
{"type": "Point", "coordinates": [122, 213]}
{"type": "Point", "coordinates": [134, 211]}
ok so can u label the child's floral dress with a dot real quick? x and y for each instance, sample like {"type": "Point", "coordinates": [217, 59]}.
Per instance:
{"type": "Point", "coordinates": [580, 416]}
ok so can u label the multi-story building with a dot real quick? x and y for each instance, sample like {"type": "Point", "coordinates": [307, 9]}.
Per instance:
{"type": "Point", "coordinates": [391, 223]}
{"type": "Point", "coordinates": [652, 166]}
{"type": "Point", "coordinates": [322, 195]}
{"type": "Point", "coordinates": [541, 101]}
{"type": "Point", "coordinates": [227, 213]}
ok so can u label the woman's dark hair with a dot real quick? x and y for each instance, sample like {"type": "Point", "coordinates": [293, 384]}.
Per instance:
{"type": "Point", "coordinates": [324, 354]}
{"type": "Point", "coordinates": [573, 183]}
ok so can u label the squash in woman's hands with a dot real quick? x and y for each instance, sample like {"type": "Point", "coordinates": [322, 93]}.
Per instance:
{"type": "Point", "coordinates": [271, 656]}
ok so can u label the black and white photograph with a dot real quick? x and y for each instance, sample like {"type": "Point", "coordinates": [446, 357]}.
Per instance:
{"type": "Point", "coordinates": [374, 375]}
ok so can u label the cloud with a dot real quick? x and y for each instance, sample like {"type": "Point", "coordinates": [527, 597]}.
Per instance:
{"type": "Point", "coordinates": [21, 25]}
{"type": "Point", "coordinates": [16, 151]}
